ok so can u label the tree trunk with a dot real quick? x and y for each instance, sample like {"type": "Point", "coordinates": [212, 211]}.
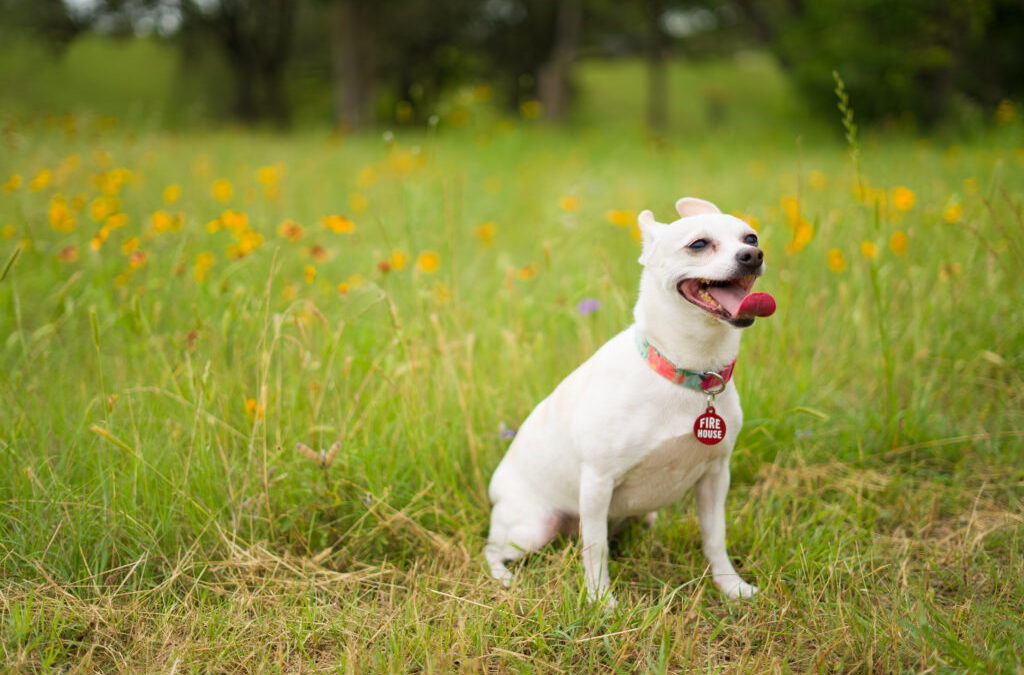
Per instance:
{"type": "Point", "coordinates": [554, 78]}
{"type": "Point", "coordinates": [657, 73]}
{"type": "Point", "coordinates": [353, 64]}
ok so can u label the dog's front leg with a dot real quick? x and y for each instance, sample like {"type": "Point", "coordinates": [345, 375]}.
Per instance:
{"type": "Point", "coordinates": [711, 491]}
{"type": "Point", "coordinates": [595, 497]}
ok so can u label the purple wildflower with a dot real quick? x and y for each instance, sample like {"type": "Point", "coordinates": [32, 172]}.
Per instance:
{"type": "Point", "coordinates": [588, 306]}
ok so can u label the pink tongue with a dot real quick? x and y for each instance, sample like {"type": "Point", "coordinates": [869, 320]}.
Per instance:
{"type": "Point", "coordinates": [741, 305]}
{"type": "Point", "coordinates": [757, 304]}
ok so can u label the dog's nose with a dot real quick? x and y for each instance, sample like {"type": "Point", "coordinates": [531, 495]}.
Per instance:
{"type": "Point", "coordinates": [750, 257]}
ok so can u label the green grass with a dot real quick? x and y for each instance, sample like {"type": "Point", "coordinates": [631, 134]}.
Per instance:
{"type": "Point", "coordinates": [151, 521]}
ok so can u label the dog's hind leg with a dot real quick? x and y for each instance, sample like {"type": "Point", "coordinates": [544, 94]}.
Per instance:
{"type": "Point", "coordinates": [517, 529]}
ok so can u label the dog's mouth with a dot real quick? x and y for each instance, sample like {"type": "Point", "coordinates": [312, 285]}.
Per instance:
{"type": "Point", "coordinates": [729, 300]}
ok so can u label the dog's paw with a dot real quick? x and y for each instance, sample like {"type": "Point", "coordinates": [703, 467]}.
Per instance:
{"type": "Point", "coordinates": [603, 598]}
{"type": "Point", "coordinates": [504, 576]}
{"type": "Point", "coordinates": [735, 587]}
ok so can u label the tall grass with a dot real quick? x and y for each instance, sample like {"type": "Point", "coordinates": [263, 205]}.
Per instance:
{"type": "Point", "coordinates": [155, 513]}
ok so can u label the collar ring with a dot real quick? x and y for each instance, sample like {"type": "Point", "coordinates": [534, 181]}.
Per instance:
{"type": "Point", "coordinates": [715, 388]}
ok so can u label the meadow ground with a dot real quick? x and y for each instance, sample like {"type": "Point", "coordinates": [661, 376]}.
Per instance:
{"type": "Point", "coordinates": [177, 311]}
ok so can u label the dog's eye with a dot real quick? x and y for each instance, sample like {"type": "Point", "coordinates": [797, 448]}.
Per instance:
{"type": "Point", "coordinates": [750, 239]}
{"type": "Point", "coordinates": [698, 245]}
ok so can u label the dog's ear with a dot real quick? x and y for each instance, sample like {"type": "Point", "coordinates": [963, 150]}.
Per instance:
{"type": "Point", "coordinates": [691, 206]}
{"type": "Point", "coordinates": [649, 228]}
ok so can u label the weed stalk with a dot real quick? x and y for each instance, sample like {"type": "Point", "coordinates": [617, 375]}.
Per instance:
{"type": "Point", "coordinates": [877, 295]}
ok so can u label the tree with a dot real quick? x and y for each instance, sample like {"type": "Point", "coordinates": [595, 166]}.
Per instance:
{"type": "Point", "coordinates": [911, 60]}
{"type": "Point", "coordinates": [353, 62]}
{"type": "Point", "coordinates": [255, 38]}
{"type": "Point", "coordinates": [554, 77]}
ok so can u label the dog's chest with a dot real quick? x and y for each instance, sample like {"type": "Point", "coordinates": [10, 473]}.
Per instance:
{"type": "Point", "coordinates": [664, 473]}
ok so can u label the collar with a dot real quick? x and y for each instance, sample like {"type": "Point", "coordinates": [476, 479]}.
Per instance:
{"type": "Point", "coordinates": [697, 380]}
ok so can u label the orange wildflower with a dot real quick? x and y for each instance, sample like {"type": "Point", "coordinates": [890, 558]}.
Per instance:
{"type": "Point", "coordinates": [428, 262]}
{"type": "Point", "coordinates": [338, 224]}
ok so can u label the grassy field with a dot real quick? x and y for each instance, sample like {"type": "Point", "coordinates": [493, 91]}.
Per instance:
{"type": "Point", "coordinates": [177, 311]}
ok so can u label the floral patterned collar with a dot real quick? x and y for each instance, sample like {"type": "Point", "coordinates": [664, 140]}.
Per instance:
{"type": "Point", "coordinates": [697, 380]}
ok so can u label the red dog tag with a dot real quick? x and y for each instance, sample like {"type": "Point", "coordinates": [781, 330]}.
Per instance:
{"type": "Point", "coordinates": [709, 428]}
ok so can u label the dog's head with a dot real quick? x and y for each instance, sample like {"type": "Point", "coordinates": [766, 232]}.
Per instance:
{"type": "Point", "coordinates": [708, 261]}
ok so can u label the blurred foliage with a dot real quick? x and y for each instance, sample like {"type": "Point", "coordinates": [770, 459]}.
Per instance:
{"type": "Point", "coordinates": [914, 62]}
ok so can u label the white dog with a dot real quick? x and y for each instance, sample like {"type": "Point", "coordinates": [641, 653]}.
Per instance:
{"type": "Point", "coordinates": [650, 414]}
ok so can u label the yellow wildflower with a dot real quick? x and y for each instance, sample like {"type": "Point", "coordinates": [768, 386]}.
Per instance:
{"type": "Point", "coordinates": [953, 213]}
{"type": "Point", "coordinates": [222, 190]}
{"type": "Point", "coordinates": [61, 217]}
{"type": "Point", "coordinates": [485, 233]}
{"type": "Point", "coordinates": [1006, 112]}
{"type": "Point", "coordinates": [248, 242]}
{"type": "Point", "coordinates": [204, 261]}
{"type": "Point", "coordinates": [12, 184]}
{"type": "Point", "coordinates": [868, 249]}
{"type": "Point", "coordinates": [41, 180]}
{"type": "Point", "coordinates": [531, 110]}
{"type": "Point", "coordinates": [399, 258]}
{"type": "Point", "coordinates": [355, 280]}
{"type": "Point", "coordinates": [267, 175]}
{"type": "Point", "coordinates": [162, 221]}
{"type": "Point", "coordinates": [950, 270]}
{"type": "Point", "coordinates": [621, 217]}
{"type": "Point", "coordinates": [97, 241]}
{"type": "Point", "coordinates": [482, 93]}
{"type": "Point", "coordinates": [172, 193]}
{"type": "Point", "coordinates": [898, 243]}
{"type": "Point", "coordinates": [310, 273]}
{"type": "Point", "coordinates": [428, 262]}
{"type": "Point", "coordinates": [803, 233]}
{"type": "Point", "coordinates": [235, 221]}
{"type": "Point", "coordinates": [401, 162]}
{"type": "Point", "coordinates": [791, 207]}
{"type": "Point", "coordinates": [365, 178]}
{"type": "Point", "coordinates": [253, 409]}
{"type": "Point", "coordinates": [357, 202]}
{"type": "Point", "coordinates": [338, 224]}
{"type": "Point", "coordinates": [749, 220]}
{"type": "Point", "coordinates": [129, 245]}
{"type": "Point", "coordinates": [111, 182]}
{"type": "Point", "coordinates": [569, 203]}
{"type": "Point", "coordinates": [103, 206]}
{"type": "Point", "coordinates": [68, 164]}
{"type": "Point", "coordinates": [527, 273]}
{"type": "Point", "coordinates": [115, 221]}
{"type": "Point", "coordinates": [836, 260]}
{"type": "Point", "coordinates": [441, 292]}
{"type": "Point", "coordinates": [8, 231]}
{"type": "Point", "coordinates": [903, 198]}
